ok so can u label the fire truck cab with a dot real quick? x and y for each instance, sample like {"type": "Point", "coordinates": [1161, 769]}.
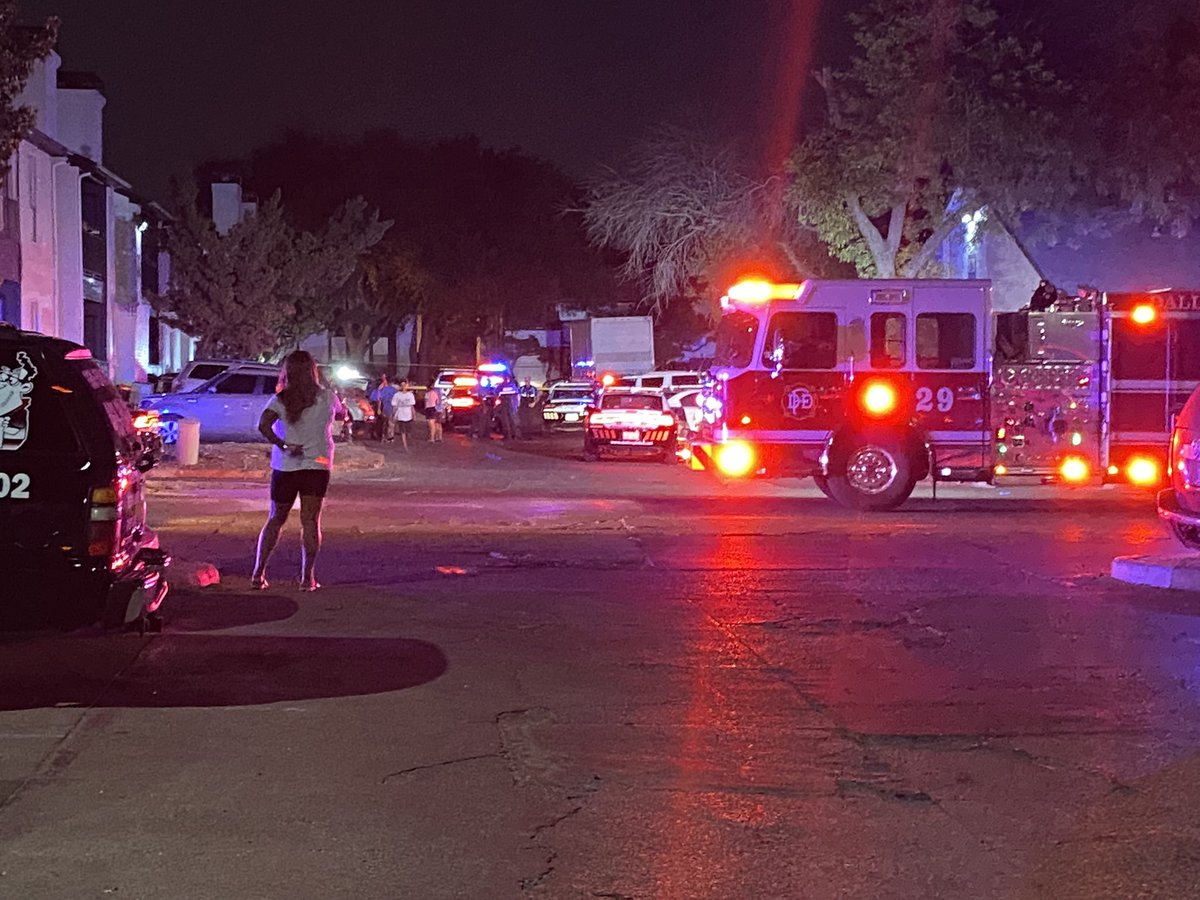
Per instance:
{"type": "Point", "coordinates": [870, 386]}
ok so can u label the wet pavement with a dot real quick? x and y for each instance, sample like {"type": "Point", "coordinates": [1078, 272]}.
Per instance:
{"type": "Point", "coordinates": [527, 675]}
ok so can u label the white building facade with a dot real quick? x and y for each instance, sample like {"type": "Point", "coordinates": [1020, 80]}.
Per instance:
{"type": "Point", "coordinates": [79, 249]}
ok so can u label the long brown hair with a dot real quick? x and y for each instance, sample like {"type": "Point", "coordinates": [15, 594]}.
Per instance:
{"type": "Point", "coordinates": [299, 384]}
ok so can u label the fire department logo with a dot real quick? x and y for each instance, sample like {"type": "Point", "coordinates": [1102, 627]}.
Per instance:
{"type": "Point", "coordinates": [799, 403]}
{"type": "Point", "coordinates": [16, 383]}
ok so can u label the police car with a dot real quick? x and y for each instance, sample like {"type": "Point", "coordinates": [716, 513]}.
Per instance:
{"type": "Point", "coordinates": [628, 422]}
{"type": "Point", "coordinates": [75, 545]}
{"type": "Point", "coordinates": [567, 404]}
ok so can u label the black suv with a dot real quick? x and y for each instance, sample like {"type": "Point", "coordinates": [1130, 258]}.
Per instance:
{"type": "Point", "coordinates": [75, 548]}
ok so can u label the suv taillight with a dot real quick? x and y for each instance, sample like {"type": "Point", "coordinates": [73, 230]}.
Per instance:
{"type": "Point", "coordinates": [104, 523]}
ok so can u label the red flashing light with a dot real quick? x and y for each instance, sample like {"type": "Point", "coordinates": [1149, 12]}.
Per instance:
{"type": "Point", "coordinates": [878, 398]}
{"type": "Point", "coordinates": [758, 290]}
{"type": "Point", "coordinates": [608, 379]}
{"type": "Point", "coordinates": [1143, 314]}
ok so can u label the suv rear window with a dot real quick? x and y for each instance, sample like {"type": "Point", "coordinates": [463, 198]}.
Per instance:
{"type": "Point", "coordinates": [116, 411]}
{"type": "Point", "coordinates": [206, 371]}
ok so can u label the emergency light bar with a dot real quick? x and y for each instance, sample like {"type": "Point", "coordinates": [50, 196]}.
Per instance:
{"type": "Point", "coordinates": [756, 290]}
{"type": "Point", "coordinates": [493, 367]}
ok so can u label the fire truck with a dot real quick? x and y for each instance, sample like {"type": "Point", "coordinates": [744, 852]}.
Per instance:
{"type": "Point", "coordinates": [872, 386]}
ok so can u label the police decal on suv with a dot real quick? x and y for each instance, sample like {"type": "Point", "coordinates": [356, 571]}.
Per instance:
{"type": "Point", "coordinates": [16, 383]}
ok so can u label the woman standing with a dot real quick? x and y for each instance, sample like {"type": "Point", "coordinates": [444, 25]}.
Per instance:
{"type": "Point", "coordinates": [299, 424]}
{"type": "Point", "coordinates": [433, 412]}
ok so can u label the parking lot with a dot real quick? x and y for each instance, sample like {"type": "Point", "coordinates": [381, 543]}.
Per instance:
{"type": "Point", "coordinates": [530, 675]}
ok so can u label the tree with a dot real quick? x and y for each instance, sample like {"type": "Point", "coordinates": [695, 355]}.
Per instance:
{"type": "Point", "coordinates": [939, 113]}
{"type": "Point", "coordinates": [682, 213]}
{"type": "Point", "coordinates": [263, 286]}
{"type": "Point", "coordinates": [1144, 107]}
{"type": "Point", "coordinates": [21, 47]}
{"type": "Point", "coordinates": [478, 245]}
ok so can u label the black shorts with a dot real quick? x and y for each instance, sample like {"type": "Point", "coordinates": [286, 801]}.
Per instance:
{"type": "Point", "coordinates": [431, 412]}
{"type": "Point", "coordinates": [286, 486]}
{"type": "Point", "coordinates": [404, 426]}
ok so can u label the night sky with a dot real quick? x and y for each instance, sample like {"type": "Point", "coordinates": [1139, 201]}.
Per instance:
{"type": "Point", "coordinates": [574, 81]}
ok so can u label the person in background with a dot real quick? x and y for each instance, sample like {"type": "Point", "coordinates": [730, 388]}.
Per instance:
{"type": "Point", "coordinates": [298, 422]}
{"type": "Point", "coordinates": [529, 419]}
{"type": "Point", "coordinates": [506, 410]}
{"type": "Point", "coordinates": [404, 402]}
{"type": "Point", "coordinates": [433, 412]}
{"type": "Point", "coordinates": [382, 397]}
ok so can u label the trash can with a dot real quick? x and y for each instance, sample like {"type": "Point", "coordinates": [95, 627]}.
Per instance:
{"type": "Point", "coordinates": [187, 448]}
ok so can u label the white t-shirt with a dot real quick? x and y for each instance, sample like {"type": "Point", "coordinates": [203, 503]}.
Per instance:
{"type": "Point", "coordinates": [403, 404]}
{"type": "Point", "coordinates": [313, 431]}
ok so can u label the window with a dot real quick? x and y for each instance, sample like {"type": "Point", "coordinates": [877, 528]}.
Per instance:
{"type": "Point", "coordinates": [236, 384]}
{"type": "Point", "coordinates": [154, 342]}
{"type": "Point", "coordinates": [946, 341]}
{"type": "Point", "coordinates": [655, 382]}
{"type": "Point", "coordinates": [631, 401]}
{"type": "Point", "coordinates": [736, 334]}
{"type": "Point", "coordinates": [206, 371]}
{"type": "Point", "coordinates": [685, 380]}
{"type": "Point", "coordinates": [267, 384]}
{"type": "Point", "coordinates": [887, 340]}
{"type": "Point", "coordinates": [802, 341]}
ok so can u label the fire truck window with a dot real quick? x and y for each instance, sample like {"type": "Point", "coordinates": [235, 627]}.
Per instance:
{"type": "Point", "coordinates": [887, 340]}
{"type": "Point", "coordinates": [802, 341]}
{"type": "Point", "coordinates": [735, 339]}
{"type": "Point", "coordinates": [946, 341]}
{"type": "Point", "coordinates": [655, 382]}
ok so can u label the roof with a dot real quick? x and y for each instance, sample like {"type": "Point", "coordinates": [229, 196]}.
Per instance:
{"type": "Point", "coordinates": [71, 80]}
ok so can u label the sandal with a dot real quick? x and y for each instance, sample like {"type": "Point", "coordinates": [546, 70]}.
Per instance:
{"type": "Point", "coordinates": [259, 583]}
{"type": "Point", "coordinates": [309, 586]}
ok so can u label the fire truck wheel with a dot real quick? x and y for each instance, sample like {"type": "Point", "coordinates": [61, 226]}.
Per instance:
{"type": "Point", "coordinates": [1187, 535]}
{"type": "Point", "coordinates": [877, 474]}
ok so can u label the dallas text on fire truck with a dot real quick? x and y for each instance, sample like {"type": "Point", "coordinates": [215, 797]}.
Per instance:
{"type": "Point", "coordinates": [871, 386]}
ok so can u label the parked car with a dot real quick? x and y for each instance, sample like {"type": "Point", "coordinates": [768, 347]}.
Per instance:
{"type": "Point", "coordinates": [667, 382]}
{"type": "Point", "coordinates": [1179, 505]}
{"type": "Point", "coordinates": [75, 545]}
{"type": "Point", "coordinates": [198, 371]}
{"type": "Point", "coordinates": [227, 406]}
{"type": "Point", "coordinates": [567, 404]}
{"type": "Point", "coordinates": [445, 378]}
{"type": "Point", "coordinates": [462, 403]}
{"type": "Point", "coordinates": [687, 408]}
{"type": "Point", "coordinates": [629, 422]}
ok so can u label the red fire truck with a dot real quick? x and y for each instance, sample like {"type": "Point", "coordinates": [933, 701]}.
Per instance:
{"type": "Point", "coordinates": [871, 386]}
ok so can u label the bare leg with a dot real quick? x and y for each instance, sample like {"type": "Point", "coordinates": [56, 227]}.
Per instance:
{"type": "Point", "coordinates": [267, 539]}
{"type": "Point", "coordinates": [310, 524]}
{"type": "Point", "coordinates": [404, 436]}
{"type": "Point", "coordinates": [437, 428]}
{"type": "Point", "coordinates": [432, 429]}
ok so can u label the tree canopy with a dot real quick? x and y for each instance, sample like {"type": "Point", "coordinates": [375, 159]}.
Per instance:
{"type": "Point", "coordinates": [264, 285]}
{"type": "Point", "coordinates": [479, 244]}
{"type": "Point", "coordinates": [939, 112]}
{"type": "Point", "coordinates": [21, 47]}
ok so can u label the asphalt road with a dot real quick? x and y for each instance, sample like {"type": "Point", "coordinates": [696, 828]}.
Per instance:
{"type": "Point", "coordinates": [529, 675]}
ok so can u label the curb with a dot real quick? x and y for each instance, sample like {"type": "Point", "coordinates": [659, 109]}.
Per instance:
{"type": "Point", "coordinates": [1181, 573]}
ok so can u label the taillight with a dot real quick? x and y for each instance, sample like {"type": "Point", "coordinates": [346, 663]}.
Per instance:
{"type": "Point", "coordinates": [1142, 471]}
{"type": "Point", "coordinates": [735, 458]}
{"type": "Point", "coordinates": [104, 522]}
{"type": "Point", "coordinates": [1075, 469]}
